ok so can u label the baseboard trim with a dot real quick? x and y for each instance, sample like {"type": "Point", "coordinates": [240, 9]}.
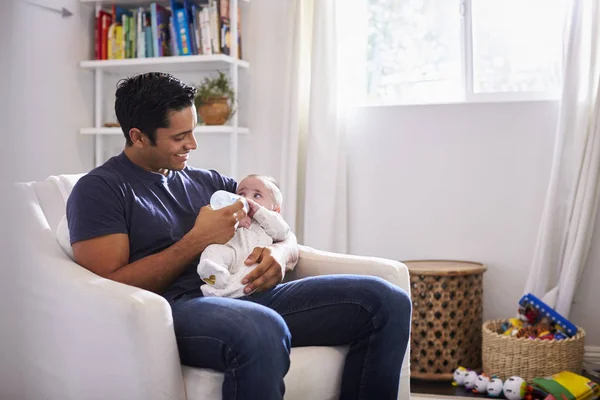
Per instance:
{"type": "Point", "coordinates": [592, 354]}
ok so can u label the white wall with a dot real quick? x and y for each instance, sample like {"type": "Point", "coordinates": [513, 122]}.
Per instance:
{"type": "Point", "coordinates": [461, 181]}
{"type": "Point", "coordinates": [51, 95]}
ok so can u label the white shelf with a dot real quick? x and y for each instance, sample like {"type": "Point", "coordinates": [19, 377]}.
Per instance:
{"type": "Point", "coordinates": [202, 129]}
{"type": "Point", "coordinates": [175, 63]}
{"type": "Point", "coordinates": [131, 2]}
{"type": "Point", "coordinates": [178, 64]}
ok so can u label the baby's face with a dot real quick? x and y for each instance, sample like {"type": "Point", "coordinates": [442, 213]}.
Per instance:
{"type": "Point", "coordinates": [255, 188]}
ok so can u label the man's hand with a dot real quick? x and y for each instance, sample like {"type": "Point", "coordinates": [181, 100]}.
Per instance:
{"type": "Point", "coordinates": [267, 274]}
{"type": "Point", "coordinates": [218, 226]}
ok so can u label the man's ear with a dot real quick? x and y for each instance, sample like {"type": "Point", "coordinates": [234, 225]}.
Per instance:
{"type": "Point", "coordinates": [138, 138]}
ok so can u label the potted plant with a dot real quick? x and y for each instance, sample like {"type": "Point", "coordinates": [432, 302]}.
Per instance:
{"type": "Point", "coordinates": [214, 100]}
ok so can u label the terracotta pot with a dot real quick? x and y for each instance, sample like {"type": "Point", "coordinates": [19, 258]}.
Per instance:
{"type": "Point", "coordinates": [215, 111]}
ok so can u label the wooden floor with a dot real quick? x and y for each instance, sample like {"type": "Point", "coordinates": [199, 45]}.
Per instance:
{"type": "Point", "coordinates": [439, 389]}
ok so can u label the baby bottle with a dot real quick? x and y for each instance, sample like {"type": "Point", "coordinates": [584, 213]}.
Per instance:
{"type": "Point", "coordinates": [222, 198]}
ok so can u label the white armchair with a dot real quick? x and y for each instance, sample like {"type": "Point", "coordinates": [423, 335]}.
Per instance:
{"type": "Point", "coordinates": [92, 338]}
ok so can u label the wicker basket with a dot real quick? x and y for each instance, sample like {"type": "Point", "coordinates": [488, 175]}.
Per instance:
{"type": "Point", "coordinates": [447, 317]}
{"type": "Point", "coordinates": [508, 356]}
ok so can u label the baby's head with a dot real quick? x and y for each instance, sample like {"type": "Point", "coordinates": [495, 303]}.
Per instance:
{"type": "Point", "coordinates": [263, 190]}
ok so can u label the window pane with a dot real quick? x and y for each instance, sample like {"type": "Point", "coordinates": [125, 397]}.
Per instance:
{"type": "Point", "coordinates": [414, 51]}
{"type": "Point", "coordinates": [517, 45]}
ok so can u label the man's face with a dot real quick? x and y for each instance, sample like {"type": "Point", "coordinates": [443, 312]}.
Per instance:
{"type": "Point", "coordinates": [173, 144]}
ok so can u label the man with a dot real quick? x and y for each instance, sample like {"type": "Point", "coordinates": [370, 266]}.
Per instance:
{"type": "Point", "coordinates": [142, 219]}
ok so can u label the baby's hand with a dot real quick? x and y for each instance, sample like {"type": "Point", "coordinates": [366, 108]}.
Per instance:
{"type": "Point", "coordinates": [254, 206]}
{"type": "Point", "coordinates": [245, 222]}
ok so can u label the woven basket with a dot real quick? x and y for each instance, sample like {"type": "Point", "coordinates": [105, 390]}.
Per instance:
{"type": "Point", "coordinates": [507, 356]}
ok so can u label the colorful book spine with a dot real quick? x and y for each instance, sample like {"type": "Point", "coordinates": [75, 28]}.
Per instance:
{"type": "Point", "coordinates": [205, 38]}
{"type": "Point", "coordinates": [140, 35]}
{"type": "Point", "coordinates": [174, 48]}
{"type": "Point", "coordinates": [214, 27]}
{"type": "Point", "coordinates": [105, 23]}
{"type": "Point", "coordinates": [160, 29]}
{"type": "Point", "coordinates": [225, 28]}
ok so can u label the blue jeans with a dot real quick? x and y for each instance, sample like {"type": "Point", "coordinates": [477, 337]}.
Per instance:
{"type": "Point", "coordinates": [249, 339]}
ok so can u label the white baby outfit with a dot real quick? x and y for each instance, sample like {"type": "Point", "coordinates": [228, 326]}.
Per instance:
{"type": "Point", "coordinates": [222, 265]}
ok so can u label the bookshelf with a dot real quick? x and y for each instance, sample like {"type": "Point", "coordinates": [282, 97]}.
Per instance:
{"type": "Point", "coordinates": [169, 64]}
{"type": "Point", "coordinates": [202, 130]}
{"type": "Point", "coordinates": [129, 3]}
{"type": "Point", "coordinates": [173, 64]}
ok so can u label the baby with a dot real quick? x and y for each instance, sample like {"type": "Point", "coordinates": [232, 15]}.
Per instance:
{"type": "Point", "coordinates": [222, 265]}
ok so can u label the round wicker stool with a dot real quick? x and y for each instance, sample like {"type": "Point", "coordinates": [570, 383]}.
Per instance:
{"type": "Point", "coordinates": [447, 317]}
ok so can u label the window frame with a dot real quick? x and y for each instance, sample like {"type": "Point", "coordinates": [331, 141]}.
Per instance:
{"type": "Point", "coordinates": [468, 95]}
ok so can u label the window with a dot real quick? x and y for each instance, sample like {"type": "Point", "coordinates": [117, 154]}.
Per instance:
{"type": "Point", "coordinates": [428, 51]}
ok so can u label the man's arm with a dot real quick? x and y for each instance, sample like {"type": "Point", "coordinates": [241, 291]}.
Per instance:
{"type": "Point", "coordinates": [108, 256]}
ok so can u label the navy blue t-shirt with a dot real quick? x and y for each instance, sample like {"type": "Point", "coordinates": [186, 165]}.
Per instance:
{"type": "Point", "coordinates": [154, 210]}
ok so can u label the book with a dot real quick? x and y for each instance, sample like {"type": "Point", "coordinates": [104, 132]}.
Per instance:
{"type": "Point", "coordinates": [105, 23]}
{"type": "Point", "coordinates": [205, 31]}
{"type": "Point", "coordinates": [160, 29]}
{"type": "Point", "coordinates": [196, 28]}
{"type": "Point", "coordinates": [567, 385]}
{"type": "Point", "coordinates": [225, 26]}
{"type": "Point", "coordinates": [140, 34]}
{"type": "Point", "coordinates": [182, 29]}
{"type": "Point", "coordinates": [215, 35]}
{"type": "Point", "coordinates": [174, 48]}
{"type": "Point", "coordinates": [189, 9]}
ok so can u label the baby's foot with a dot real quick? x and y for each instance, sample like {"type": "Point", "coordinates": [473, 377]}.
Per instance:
{"type": "Point", "coordinates": [213, 274]}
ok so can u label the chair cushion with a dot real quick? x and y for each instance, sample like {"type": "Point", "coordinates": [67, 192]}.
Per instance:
{"type": "Point", "coordinates": [306, 379]}
{"type": "Point", "coordinates": [63, 237]}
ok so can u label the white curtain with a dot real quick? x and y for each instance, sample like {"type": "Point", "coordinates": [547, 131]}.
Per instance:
{"type": "Point", "coordinates": [572, 198]}
{"type": "Point", "coordinates": [313, 170]}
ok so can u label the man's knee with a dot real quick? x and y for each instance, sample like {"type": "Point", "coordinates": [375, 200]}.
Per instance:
{"type": "Point", "coordinates": [391, 301]}
{"type": "Point", "coordinates": [263, 333]}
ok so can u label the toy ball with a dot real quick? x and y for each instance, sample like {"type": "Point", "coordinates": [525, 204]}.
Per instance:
{"type": "Point", "coordinates": [514, 388]}
{"type": "Point", "coordinates": [471, 379]}
{"type": "Point", "coordinates": [481, 384]}
{"type": "Point", "coordinates": [494, 387]}
{"type": "Point", "coordinates": [459, 376]}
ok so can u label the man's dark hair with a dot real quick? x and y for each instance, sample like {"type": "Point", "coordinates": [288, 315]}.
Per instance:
{"type": "Point", "coordinates": [144, 102]}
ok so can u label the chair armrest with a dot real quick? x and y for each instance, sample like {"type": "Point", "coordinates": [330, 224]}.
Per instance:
{"type": "Point", "coordinates": [111, 340]}
{"type": "Point", "coordinates": [312, 262]}
{"type": "Point", "coordinates": [78, 336]}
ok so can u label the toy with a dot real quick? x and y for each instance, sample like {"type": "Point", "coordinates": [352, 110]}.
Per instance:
{"type": "Point", "coordinates": [534, 311]}
{"type": "Point", "coordinates": [567, 385]}
{"type": "Point", "coordinates": [481, 384]}
{"type": "Point", "coordinates": [514, 388]}
{"type": "Point", "coordinates": [470, 380]}
{"type": "Point", "coordinates": [460, 374]}
{"type": "Point", "coordinates": [494, 387]}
